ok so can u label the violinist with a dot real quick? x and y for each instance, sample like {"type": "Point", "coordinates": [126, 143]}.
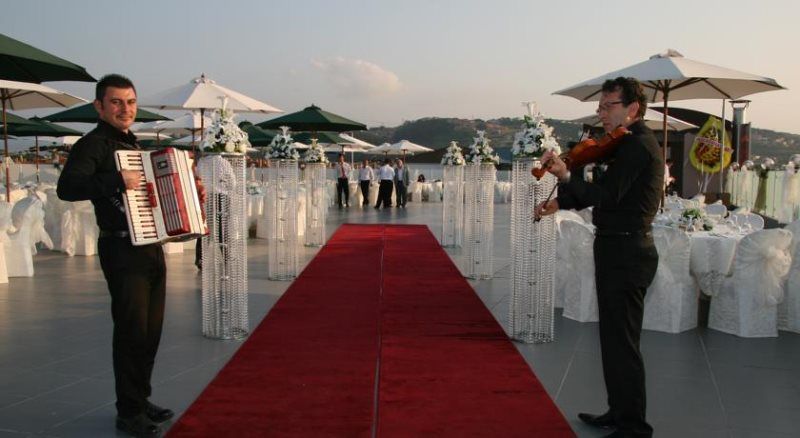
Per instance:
{"type": "Point", "coordinates": [624, 200]}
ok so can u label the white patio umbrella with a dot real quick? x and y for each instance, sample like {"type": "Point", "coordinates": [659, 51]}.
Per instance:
{"type": "Point", "coordinates": [402, 147]}
{"type": "Point", "coordinates": [24, 95]}
{"type": "Point", "coordinates": [189, 123]}
{"type": "Point", "coordinates": [669, 76]}
{"type": "Point", "coordinates": [204, 94]}
{"type": "Point", "coordinates": [653, 120]}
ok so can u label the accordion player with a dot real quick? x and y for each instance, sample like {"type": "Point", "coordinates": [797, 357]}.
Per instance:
{"type": "Point", "coordinates": [165, 207]}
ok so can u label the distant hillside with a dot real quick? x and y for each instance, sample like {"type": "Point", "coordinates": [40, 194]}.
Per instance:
{"type": "Point", "coordinates": [437, 133]}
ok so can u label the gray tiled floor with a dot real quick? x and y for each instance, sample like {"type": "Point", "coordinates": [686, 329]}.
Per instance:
{"type": "Point", "coordinates": [55, 351]}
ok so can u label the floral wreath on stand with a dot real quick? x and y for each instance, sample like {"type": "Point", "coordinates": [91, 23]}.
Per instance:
{"type": "Point", "coordinates": [481, 152]}
{"type": "Point", "coordinates": [282, 146]}
{"type": "Point", "coordinates": [223, 135]}
{"type": "Point", "coordinates": [315, 153]}
{"type": "Point", "coordinates": [536, 136]}
{"type": "Point", "coordinates": [453, 155]}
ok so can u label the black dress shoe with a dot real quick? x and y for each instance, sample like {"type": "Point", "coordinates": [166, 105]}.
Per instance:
{"type": "Point", "coordinates": [157, 414]}
{"type": "Point", "coordinates": [605, 421]}
{"type": "Point", "coordinates": [138, 426]}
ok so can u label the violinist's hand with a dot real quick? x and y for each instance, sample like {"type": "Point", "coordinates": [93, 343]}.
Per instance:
{"type": "Point", "coordinates": [556, 165]}
{"type": "Point", "coordinates": [545, 209]}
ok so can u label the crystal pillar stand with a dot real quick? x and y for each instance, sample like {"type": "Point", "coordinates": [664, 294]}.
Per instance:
{"type": "Point", "coordinates": [316, 207]}
{"type": "Point", "coordinates": [282, 211]}
{"type": "Point", "coordinates": [533, 256]}
{"type": "Point", "coordinates": [478, 220]}
{"type": "Point", "coordinates": [453, 206]}
{"type": "Point", "coordinates": [224, 249]}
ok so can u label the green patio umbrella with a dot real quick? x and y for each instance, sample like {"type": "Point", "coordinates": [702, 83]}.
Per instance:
{"type": "Point", "coordinates": [39, 127]}
{"type": "Point", "coordinates": [14, 120]}
{"type": "Point", "coordinates": [87, 114]}
{"type": "Point", "coordinates": [313, 119]}
{"type": "Point", "coordinates": [257, 136]}
{"type": "Point", "coordinates": [25, 63]}
{"type": "Point", "coordinates": [322, 138]}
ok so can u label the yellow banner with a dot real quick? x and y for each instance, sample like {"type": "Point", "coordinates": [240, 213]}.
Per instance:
{"type": "Point", "coordinates": [705, 151]}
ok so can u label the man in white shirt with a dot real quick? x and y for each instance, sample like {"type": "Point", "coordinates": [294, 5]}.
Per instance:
{"type": "Point", "coordinates": [365, 177]}
{"type": "Point", "coordinates": [342, 181]}
{"type": "Point", "coordinates": [386, 175]}
{"type": "Point", "coordinates": [401, 179]}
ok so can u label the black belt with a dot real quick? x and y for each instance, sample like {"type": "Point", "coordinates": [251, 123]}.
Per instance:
{"type": "Point", "coordinates": [636, 233]}
{"type": "Point", "coordinates": [120, 234]}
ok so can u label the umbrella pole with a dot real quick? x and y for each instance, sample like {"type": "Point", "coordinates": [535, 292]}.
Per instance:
{"type": "Point", "coordinates": [722, 154]}
{"type": "Point", "coordinates": [5, 160]}
{"type": "Point", "coordinates": [36, 139]}
{"type": "Point", "coordinates": [666, 140]}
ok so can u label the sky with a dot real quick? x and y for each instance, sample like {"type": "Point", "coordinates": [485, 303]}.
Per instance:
{"type": "Point", "coordinates": [385, 62]}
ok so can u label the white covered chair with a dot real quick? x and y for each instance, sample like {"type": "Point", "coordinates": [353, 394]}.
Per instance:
{"type": "Point", "coordinates": [568, 215]}
{"type": "Point", "coordinates": [717, 209]}
{"type": "Point", "coordinates": [670, 304]}
{"type": "Point", "coordinates": [27, 217]}
{"type": "Point", "coordinates": [578, 284]}
{"type": "Point", "coordinates": [5, 224]}
{"type": "Point", "coordinates": [586, 214]}
{"type": "Point", "coordinates": [746, 305]}
{"type": "Point", "coordinates": [54, 210]}
{"type": "Point", "coordinates": [79, 231]}
{"type": "Point", "coordinates": [789, 308]}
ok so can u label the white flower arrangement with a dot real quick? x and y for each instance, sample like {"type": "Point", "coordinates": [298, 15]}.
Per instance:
{"type": "Point", "coordinates": [453, 156]}
{"type": "Point", "coordinates": [282, 146]}
{"type": "Point", "coordinates": [694, 219]}
{"type": "Point", "coordinates": [315, 153]}
{"type": "Point", "coordinates": [224, 135]}
{"type": "Point", "coordinates": [535, 138]}
{"type": "Point", "coordinates": [481, 152]}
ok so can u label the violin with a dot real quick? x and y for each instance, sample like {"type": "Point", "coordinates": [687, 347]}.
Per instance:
{"type": "Point", "coordinates": [587, 151]}
{"type": "Point", "coordinates": [583, 153]}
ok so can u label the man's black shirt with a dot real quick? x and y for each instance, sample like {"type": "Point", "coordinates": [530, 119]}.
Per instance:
{"type": "Point", "coordinates": [626, 197]}
{"type": "Point", "coordinates": [91, 174]}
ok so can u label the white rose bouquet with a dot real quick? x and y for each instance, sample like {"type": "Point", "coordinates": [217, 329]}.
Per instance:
{"type": "Point", "coordinates": [535, 138]}
{"type": "Point", "coordinates": [315, 153]}
{"type": "Point", "coordinates": [481, 152]}
{"type": "Point", "coordinates": [453, 156]}
{"type": "Point", "coordinates": [282, 146]}
{"type": "Point", "coordinates": [224, 135]}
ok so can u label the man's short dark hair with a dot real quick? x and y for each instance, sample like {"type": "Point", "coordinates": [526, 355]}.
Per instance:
{"type": "Point", "coordinates": [630, 91]}
{"type": "Point", "coordinates": [112, 80]}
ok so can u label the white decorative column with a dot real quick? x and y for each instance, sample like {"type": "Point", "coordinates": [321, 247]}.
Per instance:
{"type": "Point", "coordinates": [316, 205]}
{"type": "Point", "coordinates": [453, 206]}
{"type": "Point", "coordinates": [282, 209]}
{"type": "Point", "coordinates": [478, 243]}
{"type": "Point", "coordinates": [533, 256]}
{"type": "Point", "coordinates": [224, 249]}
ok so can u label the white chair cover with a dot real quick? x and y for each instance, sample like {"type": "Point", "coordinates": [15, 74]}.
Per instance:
{"type": "Point", "coordinates": [671, 301]}
{"type": "Point", "coordinates": [29, 212]}
{"type": "Point", "coordinates": [54, 209]}
{"type": "Point", "coordinates": [580, 294]}
{"type": "Point", "coordinates": [79, 231]}
{"type": "Point", "coordinates": [568, 215]}
{"type": "Point", "coordinates": [27, 217]}
{"type": "Point", "coordinates": [747, 303]}
{"type": "Point", "coordinates": [5, 224]}
{"type": "Point", "coordinates": [586, 214]}
{"type": "Point", "coordinates": [789, 309]}
{"type": "Point", "coordinates": [716, 208]}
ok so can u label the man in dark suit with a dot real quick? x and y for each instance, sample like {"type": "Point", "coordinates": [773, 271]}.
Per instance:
{"type": "Point", "coordinates": [625, 200]}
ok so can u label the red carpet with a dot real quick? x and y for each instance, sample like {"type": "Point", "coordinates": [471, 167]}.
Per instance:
{"type": "Point", "coordinates": [377, 300]}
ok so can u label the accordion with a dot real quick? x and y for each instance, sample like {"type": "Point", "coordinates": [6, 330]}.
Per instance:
{"type": "Point", "coordinates": [165, 206]}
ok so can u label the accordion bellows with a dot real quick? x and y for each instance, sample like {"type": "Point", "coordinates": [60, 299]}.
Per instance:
{"type": "Point", "coordinates": [165, 206]}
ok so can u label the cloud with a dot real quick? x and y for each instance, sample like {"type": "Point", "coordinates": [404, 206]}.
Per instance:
{"type": "Point", "coordinates": [358, 78]}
